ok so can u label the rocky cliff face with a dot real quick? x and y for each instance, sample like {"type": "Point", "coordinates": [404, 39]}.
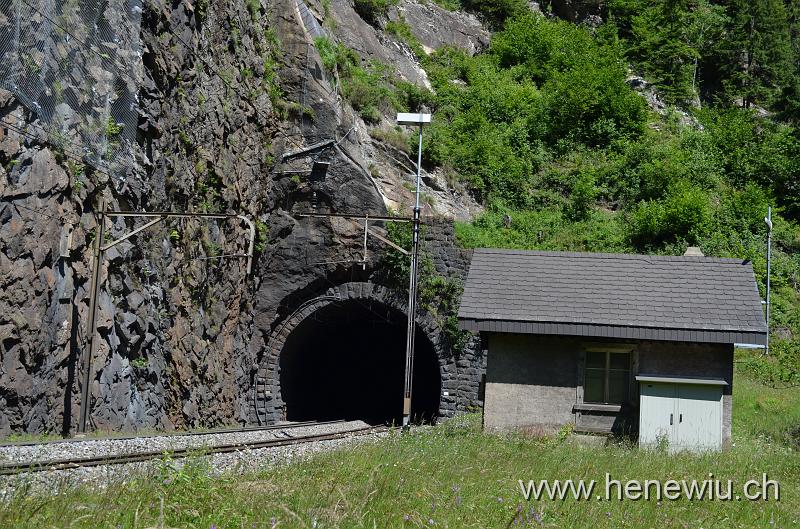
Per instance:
{"type": "Point", "coordinates": [232, 91]}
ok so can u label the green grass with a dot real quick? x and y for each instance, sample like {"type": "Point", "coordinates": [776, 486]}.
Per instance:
{"type": "Point", "coordinates": [452, 475]}
{"type": "Point", "coordinates": [767, 413]}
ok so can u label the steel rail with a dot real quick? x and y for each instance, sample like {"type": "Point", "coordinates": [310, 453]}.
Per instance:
{"type": "Point", "coordinates": [137, 457]}
{"type": "Point", "coordinates": [284, 426]}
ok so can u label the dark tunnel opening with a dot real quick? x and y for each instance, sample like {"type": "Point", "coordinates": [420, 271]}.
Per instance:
{"type": "Point", "coordinates": [347, 361]}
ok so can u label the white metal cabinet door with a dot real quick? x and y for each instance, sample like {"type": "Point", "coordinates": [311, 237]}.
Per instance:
{"type": "Point", "coordinates": [699, 417]}
{"type": "Point", "coordinates": [657, 409]}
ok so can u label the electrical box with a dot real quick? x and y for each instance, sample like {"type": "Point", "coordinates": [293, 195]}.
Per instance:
{"type": "Point", "coordinates": [682, 413]}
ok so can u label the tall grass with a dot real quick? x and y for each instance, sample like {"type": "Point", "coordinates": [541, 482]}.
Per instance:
{"type": "Point", "coordinates": [451, 475]}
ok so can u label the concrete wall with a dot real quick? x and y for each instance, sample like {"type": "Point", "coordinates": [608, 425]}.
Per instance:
{"type": "Point", "coordinates": [536, 382]}
{"type": "Point", "coordinates": [531, 381]}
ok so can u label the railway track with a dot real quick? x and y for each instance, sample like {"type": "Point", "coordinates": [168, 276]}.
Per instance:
{"type": "Point", "coordinates": [282, 426]}
{"type": "Point", "coordinates": [10, 469]}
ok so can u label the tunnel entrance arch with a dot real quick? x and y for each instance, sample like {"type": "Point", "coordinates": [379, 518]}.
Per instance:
{"type": "Point", "coordinates": [342, 356]}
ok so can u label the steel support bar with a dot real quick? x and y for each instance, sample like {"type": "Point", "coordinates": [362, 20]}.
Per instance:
{"type": "Point", "coordinates": [307, 150]}
{"type": "Point", "coordinates": [366, 233]}
{"type": "Point", "coordinates": [355, 216]}
{"type": "Point", "coordinates": [370, 231]}
{"type": "Point", "coordinates": [131, 234]}
{"type": "Point", "coordinates": [170, 214]}
{"type": "Point", "coordinates": [91, 331]}
{"type": "Point", "coordinates": [387, 241]}
{"type": "Point", "coordinates": [251, 246]}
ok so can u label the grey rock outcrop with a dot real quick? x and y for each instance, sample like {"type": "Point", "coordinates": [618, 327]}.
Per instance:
{"type": "Point", "coordinates": [227, 93]}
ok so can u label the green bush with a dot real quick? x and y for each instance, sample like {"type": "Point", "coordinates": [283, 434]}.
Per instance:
{"type": "Point", "coordinates": [582, 197]}
{"type": "Point", "coordinates": [335, 56]}
{"type": "Point", "coordinates": [495, 12]}
{"type": "Point", "coordinates": [684, 213]}
{"type": "Point", "coordinates": [371, 87]}
{"type": "Point", "coordinates": [372, 10]}
{"type": "Point", "coordinates": [780, 369]}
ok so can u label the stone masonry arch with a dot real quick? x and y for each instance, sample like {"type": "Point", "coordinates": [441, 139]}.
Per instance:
{"type": "Point", "coordinates": [267, 395]}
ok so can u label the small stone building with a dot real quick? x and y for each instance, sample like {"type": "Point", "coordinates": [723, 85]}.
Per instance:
{"type": "Point", "coordinates": [631, 344]}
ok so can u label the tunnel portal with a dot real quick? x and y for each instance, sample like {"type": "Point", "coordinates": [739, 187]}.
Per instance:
{"type": "Point", "coordinates": [346, 360]}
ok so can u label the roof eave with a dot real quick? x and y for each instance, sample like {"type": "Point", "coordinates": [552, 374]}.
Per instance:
{"type": "Point", "coordinates": [616, 331]}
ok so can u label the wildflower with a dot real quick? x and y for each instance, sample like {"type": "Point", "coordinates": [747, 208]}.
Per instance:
{"type": "Point", "coordinates": [431, 522]}
{"type": "Point", "coordinates": [274, 522]}
{"type": "Point", "coordinates": [500, 499]}
{"type": "Point", "coordinates": [608, 514]}
{"type": "Point", "coordinates": [406, 517]}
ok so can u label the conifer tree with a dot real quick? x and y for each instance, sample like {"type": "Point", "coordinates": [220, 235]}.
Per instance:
{"type": "Point", "coordinates": [789, 102]}
{"type": "Point", "coordinates": [757, 51]}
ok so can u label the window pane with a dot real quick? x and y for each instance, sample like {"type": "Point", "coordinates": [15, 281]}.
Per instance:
{"type": "Point", "coordinates": [596, 359]}
{"type": "Point", "coordinates": [593, 385]}
{"type": "Point", "coordinates": [618, 386]}
{"type": "Point", "coordinates": [619, 361]}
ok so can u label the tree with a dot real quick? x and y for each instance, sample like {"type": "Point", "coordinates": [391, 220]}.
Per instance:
{"type": "Point", "coordinates": [757, 51]}
{"type": "Point", "coordinates": [667, 39]}
{"type": "Point", "coordinates": [788, 105]}
{"type": "Point", "coordinates": [659, 49]}
{"type": "Point", "coordinates": [702, 32]}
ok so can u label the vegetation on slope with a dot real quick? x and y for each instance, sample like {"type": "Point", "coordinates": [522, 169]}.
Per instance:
{"type": "Point", "coordinates": [543, 128]}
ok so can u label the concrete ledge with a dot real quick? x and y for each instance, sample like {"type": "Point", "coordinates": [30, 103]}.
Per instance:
{"type": "Point", "coordinates": [610, 408]}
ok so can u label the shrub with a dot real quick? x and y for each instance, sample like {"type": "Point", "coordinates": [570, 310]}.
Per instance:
{"type": "Point", "coordinates": [582, 197]}
{"type": "Point", "coordinates": [373, 10]}
{"type": "Point", "coordinates": [685, 213]}
{"type": "Point", "coordinates": [495, 12]}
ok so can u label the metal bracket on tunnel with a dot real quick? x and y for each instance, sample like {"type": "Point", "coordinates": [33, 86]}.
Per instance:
{"type": "Point", "coordinates": [367, 229]}
{"type": "Point", "coordinates": [98, 255]}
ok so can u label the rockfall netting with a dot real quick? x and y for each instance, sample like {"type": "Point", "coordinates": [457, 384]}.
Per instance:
{"type": "Point", "coordinates": [76, 64]}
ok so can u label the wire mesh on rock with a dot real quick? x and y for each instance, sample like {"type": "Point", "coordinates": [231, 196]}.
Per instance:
{"type": "Point", "coordinates": [76, 64]}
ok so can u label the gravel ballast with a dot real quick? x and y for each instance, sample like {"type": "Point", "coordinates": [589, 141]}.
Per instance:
{"type": "Point", "coordinates": [244, 460]}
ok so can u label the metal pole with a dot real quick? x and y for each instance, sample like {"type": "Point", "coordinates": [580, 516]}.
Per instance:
{"type": "Point", "coordinates": [88, 352]}
{"type": "Point", "coordinates": [769, 266]}
{"type": "Point", "coordinates": [412, 296]}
